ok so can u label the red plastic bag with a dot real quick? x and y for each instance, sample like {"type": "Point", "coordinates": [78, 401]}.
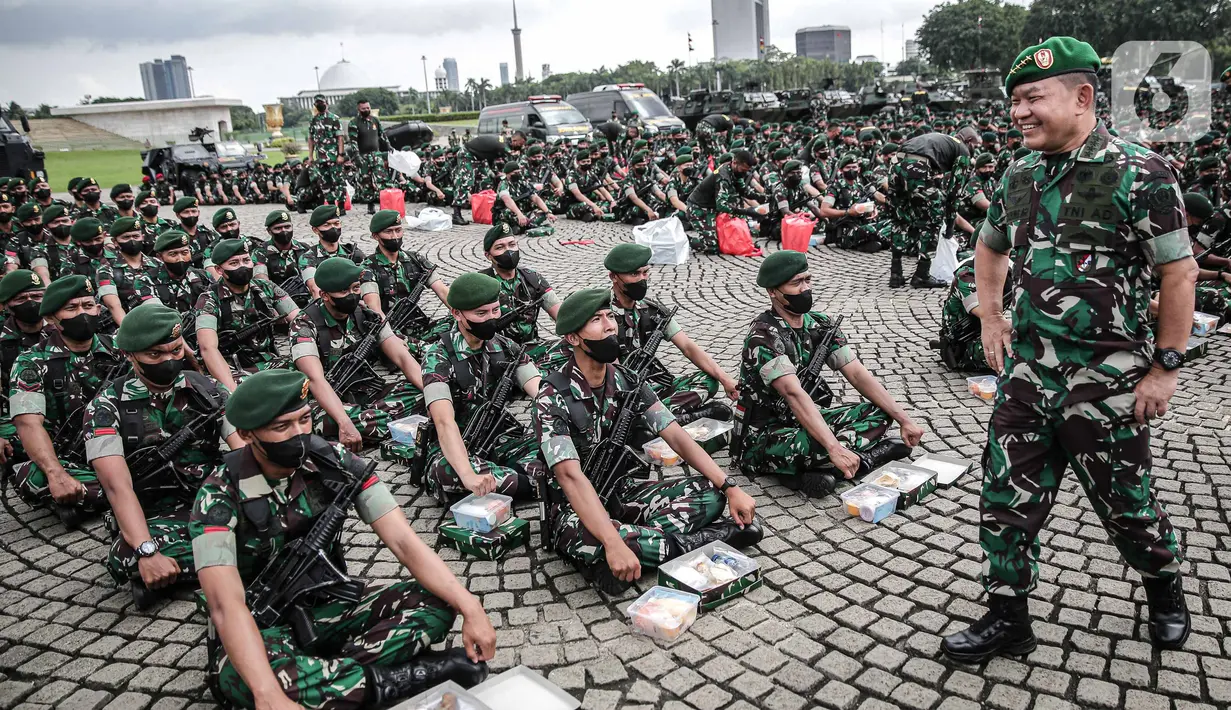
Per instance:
{"type": "Point", "coordinates": [346, 205]}
{"type": "Point", "coordinates": [481, 206]}
{"type": "Point", "coordinates": [393, 199]}
{"type": "Point", "coordinates": [797, 232]}
{"type": "Point", "coordinates": [734, 238]}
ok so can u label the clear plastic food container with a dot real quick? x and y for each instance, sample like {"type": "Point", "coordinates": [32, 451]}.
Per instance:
{"type": "Point", "coordinates": [660, 453]}
{"type": "Point", "coordinates": [663, 613]}
{"type": "Point", "coordinates": [482, 514]}
{"type": "Point", "coordinates": [982, 386]}
{"type": "Point", "coordinates": [870, 502]}
{"type": "Point", "coordinates": [405, 430]}
{"type": "Point", "coordinates": [1204, 323]}
{"type": "Point", "coordinates": [704, 569]}
{"type": "Point", "coordinates": [711, 434]}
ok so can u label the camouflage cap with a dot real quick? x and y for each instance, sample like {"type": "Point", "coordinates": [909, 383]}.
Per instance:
{"type": "Point", "coordinates": [184, 203]}
{"type": "Point", "coordinates": [383, 220]}
{"type": "Point", "coordinates": [1053, 57]}
{"type": "Point", "coordinates": [323, 214]}
{"type": "Point", "coordinates": [17, 282]}
{"type": "Point", "coordinates": [63, 290]}
{"type": "Point", "coordinates": [277, 217]}
{"type": "Point", "coordinates": [578, 308]}
{"type": "Point", "coordinates": [627, 258]}
{"type": "Point", "coordinates": [498, 231]}
{"type": "Point", "coordinates": [226, 249]}
{"type": "Point", "coordinates": [780, 267]}
{"type": "Point", "coordinates": [123, 225]}
{"type": "Point", "coordinates": [472, 290]}
{"type": "Point", "coordinates": [337, 274]}
{"type": "Point", "coordinates": [1195, 204]}
{"type": "Point", "coordinates": [86, 229]}
{"type": "Point", "coordinates": [223, 216]}
{"type": "Point", "coordinates": [171, 239]}
{"type": "Point", "coordinates": [117, 190]}
{"type": "Point", "coordinates": [145, 326]}
{"type": "Point", "coordinates": [264, 396]}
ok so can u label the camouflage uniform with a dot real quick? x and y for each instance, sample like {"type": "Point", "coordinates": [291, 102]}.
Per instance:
{"type": "Point", "coordinates": [681, 394]}
{"type": "Point", "coordinates": [203, 239]}
{"type": "Point", "coordinates": [464, 179]}
{"type": "Point", "coordinates": [521, 192]}
{"type": "Point", "coordinates": [151, 230]}
{"type": "Point", "coordinates": [527, 286]}
{"type": "Point", "coordinates": [312, 257]}
{"type": "Point", "coordinates": [849, 232]}
{"type": "Point", "coordinates": [777, 443]}
{"type": "Point", "coordinates": [916, 211]}
{"type": "Point", "coordinates": [103, 213]}
{"type": "Point", "coordinates": [13, 342]}
{"type": "Point", "coordinates": [324, 172]}
{"type": "Point", "coordinates": [393, 281]}
{"type": "Point", "coordinates": [390, 625]}
{"type": "Point", "coordinates": [275, 263]}
{"type": "Point", "coordinates": [52, 255]}
{"type": "Point", "coordinates": [540, 173]}
{"type": "Point", "coordinates": [368, 136]}
{"type": "Point", "coordinates": [1086, 230]}
{"type": "Point", "coordinates": [116, 278]}
{"type": "Point", "coordinates": [165, 192]}
{"type": "Point", "coordinates": [57, 383]}
{"type": "Point", "coordinates": [680, 188]}
{"type": "Point", "coordinates": [466, 378]}
{"type": "Point", "coordinates": [643, 186]}
{"type": "Point", "coordinates": [315, 333]}
{"type": "Point", "coordinates": [587, 183]}
{"type": "Point", "coordinates": [126, 417]}
{"type": "Point", "coordinates": [974, 189]}
{"type": "Point", "coordinates": [220, 309]}
{"type": "Point", "coordinates": [180, 294]}
{"type": "Point", "coordinates": [569, 420]}
{"type": "Point", "coordinates": [961, 334]}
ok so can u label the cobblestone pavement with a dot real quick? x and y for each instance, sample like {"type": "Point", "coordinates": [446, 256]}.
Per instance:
{"type": "Point", "coordinates": [850, 615]}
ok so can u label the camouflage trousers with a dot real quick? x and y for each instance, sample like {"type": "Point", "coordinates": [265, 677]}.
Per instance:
{"type": "Point", "coordinates": [1214, 298]}
{"type": "Point", "coordinates": [549, 355]}
{"type": "Point", "coordinates": [170, 531]}
{"type": "Point", "coordinates": [628, 212]}
{"type": "Point", "coordinates": [515, 463]}
{"type": "Point", "coordinates": [703, 239]}
{"type": "Point", "coordinates": [786, 449]}
{"type": "Point", "coordinates": [31, 484]}
{"type": "Point", "coordinates": [8, 432]}
{"type": "Point", "coordinates": [579, 210]}
{"type": "Point", "coordinates": [372, 420]}
{"type": "Point", "coordinates": [435, 201]}
{"type": "Point", "coordinates": [372, 178]}
{"type": "Point", "coordinates": [1028, 449]}
{"type": "Point", "coordinates": [686, 392]}
{"type": "Point", "coordinates": [853, 236]}
{"type": "Point", "coordinates": [644, 512]}
{"type": "Point", "coordinates": [907, 239]}
{"type": "Point", "coordinates": [390, 626]}
{"type": "Point", "coordinates": [327, 177]}
{"type": "Point", "coordinates": [538, 225]}
{"type": "Point", "coordinates": [418, 338]}
{"type": "Point", "coordinates": [463, 184]}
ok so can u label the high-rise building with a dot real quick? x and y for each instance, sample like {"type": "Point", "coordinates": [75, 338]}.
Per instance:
{"type": "Point", "coordinates": [911, 50]}
{"type": "Point", "coordinates": [451, 74]}
{"type": "Point", "coordinates": [166, 79]}
{"type": "Point", "coordinates": [741, 28]}
{"type": "Point", "coordinates": [546, 71]}
{"type": "Point", "coordinates": [832, 42]}
{"type": "Point", "coordinates": [504, 73]}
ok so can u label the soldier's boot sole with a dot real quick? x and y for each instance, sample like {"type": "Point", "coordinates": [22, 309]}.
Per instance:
{"type": "Point", "coordinates": [897, 281]}
{"type": "Point", "coordinates": [817, 484]}
{"type": "Point", "coordinates": [791, 482]}
{"type": "Point", "coordinates": [70, 516]}
{"type": "Point", "coordinates": [869, 247]}
{"type": "Point", "coordinates": [1023, 647]}
{"type": "Point", "coordinates": [143, 597]}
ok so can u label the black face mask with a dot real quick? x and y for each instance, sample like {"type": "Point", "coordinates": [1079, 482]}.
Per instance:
{"type": "Point", "coordinates": [27, 312]}
{"type": "Point", "coordinates": [1211, 179]}
{"type": "Point", "coordinates": [132, 247]}
{"type": "Point", "coordinates": [124, 204]}
{"type": "Point", "coordinates": [189, 222]}
{"type": "Point", "coordinates": [640, 171]}
{"type": "Point", "coordinates": [60, 231]}
{"type": "Point", "coordinates": [33, 229]}
{"type": "Point", "coordinates": [483, 330]}
{"type": "Point", "coordinates": [163, 374]}
{"type": "Point", "coordinates": [583, 167]}
{"type": "Point", "coordinates": [850, 174]}
{"type": "Point", "coordinates": [42, 194]}
{"type": "Point", "coordinates": [391, 245]}
{"type": "Point", "coordinates": [80, 327]}
{"type": "Point", "coordinates": [346, 304]}
{"type": "Point", "coordinates": [239, 276]}
{"type": "Point", "coordinates": [283, 238]}
{"type": "Point", "coordinates": [1193, 231]}
{"type": "Point", "coordinates": [364, 114]}
{"type": "Point", "coordinates": [321, 106]}
{"type": "Point", "coordinates": [689, 172]}
{"type": "Point", "coordinates": [92, 198]}
{"type": "Point", "coordinates": [178, 268]}
{"type": "Point", "coordinates": [637, 289]}
{"type": "Point", "coordinates": [331, 235]}
{"type": "Point", "coordinates": [6, 217]}
{"type": "Point", "coordinates": [798, 303]}
{"type": "Point", "coordinates": [229, 234]}
{"type": "Point", "coordinates": [287, 454]}
{"type": "Point", "coordinates": [508, 260]}
{"type": "Point", "coordinates": [605, 351]}
{"type": "Point", "coordinates": [794, 180]}
{"type": "Point", "coordinates": [149, 210]}
{"type": "Point", "coordinates": [92, 249]}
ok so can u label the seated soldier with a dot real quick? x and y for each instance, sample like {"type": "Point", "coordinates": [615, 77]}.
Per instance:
{"type": "Point", "coordinates": [232, 339]}
{"type": "Point", "coordinates": [277, 260]}
{"type": "Point", "coordinates": [128, 426]}
{"type": "Point", "coordinates": [961, 328]}
{"type": "Point", "coordinates": [326, 222]}
{"type": "Point", "coordinates": [519, 205]}
{"type": "Point", "coordinates": [148, 223]}
{"type": "Point", "coordinates": [21, 294]}
{"type": "Point", "coordinates": [50, 387]}
{"type": "Point", "coordinates": [641, 198]}
{"type": "Point", "coordinates": [606, 522]}
{"type": "Point", "coordinates": [392, 272]}
{"type": "Point", "coordinates": [176, 283]}
{"type": "Point", "coordinates": [330, 328]}
{"type": "Point", "coordinates": [784, 431]}
{"type": "Point", "coordinates": [790, 196]}
{"type": "Point", "coordinates": [847, 227]}
{"type": "Point", "coordinates": [1213, 294]}
{"type": "Point", "coordinates": [461, 374]}
{"type": "Point", "coordinates": [116, 279]}
{"type": "Point", "coordinates": [226, 224]}
{"type": "Point", "coordinates": [270, 494]}
{"type": "Point", "coordinates": [586, 199]}
{"type": "Point", "coordinates": [522, 290]}
{"type": "Point", "coordinates": [200, 237]}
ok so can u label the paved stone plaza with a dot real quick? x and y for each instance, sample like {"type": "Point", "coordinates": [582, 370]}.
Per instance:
{"type": "Point", "coordinates": [850, 615]}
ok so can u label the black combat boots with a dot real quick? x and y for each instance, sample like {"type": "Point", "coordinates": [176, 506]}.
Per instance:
{"type": "Point", "coordinates": [389, 684]}
{"type": "Point", "coordinates": [458, 219]}
{"type": "Point", "coordinates": [922, 279]}
{"type": "Point", "coordinates": [719, 531]}
{"type": "Point", "coordinates": [1168, 617]}
{"type": "Point", "coordinates": [718, 411]}
{"type": "Point", "coordinates": [1004, 629]}
{"type": "Point", "coordinates": [896, 279]}
{"type": "Point", "coordinates": [887, 449]}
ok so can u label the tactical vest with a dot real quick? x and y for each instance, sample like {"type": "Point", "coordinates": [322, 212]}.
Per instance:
{"type": "Point", "coordinates": [203, 397]}
{"type": "Point", "coordinates": [386, 277]}
{"type": "Point", "coordinates": [316, 314]}
{"type": "Point", "coordinates": [580, 417]}
{"type": "Point", "coordinates": [171, 299]}
{"type": "Point", "coordinates": [756, 416]}
{"type": "Point", "coordinates": [369, 137]}
{"type": "Point", "coordinates": [470, 388]}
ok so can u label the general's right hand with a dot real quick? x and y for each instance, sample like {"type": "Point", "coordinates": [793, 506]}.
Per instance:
{"type": "Point", "coordinates": [623, 563]}
{"type": "Point", "coordinates": [997, 340]}
{"type": "Point", "coordinates": [349, 437]}
{"type": "Point", "coordinates": [65, 489]}
{"type": "Point", "coordinates": [158, 571]}
{"type": "Point", "coordinates": [845, 461]}
{"type": "Point", "coordinates": [480, 485]}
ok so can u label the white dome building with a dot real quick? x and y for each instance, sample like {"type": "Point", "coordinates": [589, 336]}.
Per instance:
{"type": "Point", "coordinates": [339, 80]}
{"type": "Point", "coordinates": [442, 79]}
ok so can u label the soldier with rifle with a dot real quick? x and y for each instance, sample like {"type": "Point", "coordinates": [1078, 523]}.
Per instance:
{"type": "Point", "coordinates": [116, 279]}
{"type": "Point", "coordinates": [176, 283]}
{"type": "Point", "coordinates": [49, 388]}
{"type": "Point", "coordinates": [599, 516]}
{"type": "Point", "coordinates": [21, 293]}
{"type": "Point", "coordinates": [518, 204]}
{"type": "Point", "coordinates": [393, 275]}
{"type": "Point", "coordinates": [786, 421]}
{"type": "Point", "coordinates": [334, 341]}
{"type": "Point", "coordinates": [148, 221]}
{"type": "Point", "coordinates": [277, 260]}
{"type": "Point", "coordinates": [469, 377]}
{"type": "Point", "coordinates": [51, 252]}
{"type": "Point", "coordinates": [226, 224]}
{"type": "Point", "coordinates": [326, 222]}
{"type": "Point", "coordinates": [586, 198]}
{"type": "Point", "coordinates": [523, 291]}
{"type": "Point", "coordinates": [187, 210]}
{"type": "Point", "coordinates": [152, 436]}
{"type": "Point", "coordinates": [265, 529]}
{"type": "Point", "coordinates": [235, 318]}
{"type": "Point", "coordinates": [641, 197]}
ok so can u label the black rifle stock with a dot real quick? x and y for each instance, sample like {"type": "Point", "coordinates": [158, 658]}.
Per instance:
{"type": "Point", "coordinates": [488, 422]}
{"type": "Point", "coordinates": [229, 340]}
{"type": "Point", "coordinates": [406, 310]}
{"type": "Point", "coordinates": [146, 464]}
{"type": "Point", "coordinates": [352, 374]}
{"type": "Point", "coordinates": [644, 359]}
{"type": "Point", "coordinates": [811, 378]}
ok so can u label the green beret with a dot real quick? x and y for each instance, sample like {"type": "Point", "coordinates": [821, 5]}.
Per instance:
{"type": "Point", "coordinates": [685, 150]}
{"type": "Point", "coordinates": [984, 122]}
{"type": "Point", "coordinates": [318, 97]}
{"type": "Point", "coordinates": [848, 132]}
{"type": "Point", "coordinates": [86, 182]}
{"type": "Point", "coordinates": [438, 154]}
{"type": "Point", "coordinates": [1195, 204]}
{"type": "Point", "coordinates": [264, 396]}
{"type": "Point", "coordinates": [323, 214]}
{"type": "Point", "coordinates": [984, 159]}
{"type": "Point", "coordinates": [85, 229]}
{"type": "Point", "coordinates": [578, 308]}
{"type": "Point", "coordinates": [277, 217]}
{"type": "Point", "coordinates": [780, 267]}
{"type": "Point", "coordinates": [639, 144]}
{"type": "Point", "coordinates": [63, 290]}
{"type": "Point", "coordinates": [534, 150]}
{"type": "Point", "coordinates": [143, 196]}
{"type": "Point", "coordinates": [120, 189]}
{"type": "Point", "coordinates": [737, 144]}
{"type": "Point", "coordinates": [19, 281]}
{"type": "Point", "coordinates": [895, 136]}
{"type": "Point", "coordinates": [847, 160]}
{"type": "Point", "coordinates": [226, 249]}
{"type": "Point", "coordinates": [72, 184]}
{"type": "Point", "coordinates": [989, 136]}
{"type": "Point", "coordinates": [1055, 56]}
{"type": "Point", "coordinates": [170, 239]}
{"type": "Point", "coordinates": [184, 203]}
{"type": "Point", "coordinates": [1204, 139]}
{"type": "Point", "coordinates": [32, 210]}
{"type": "Point", "coordinates": [888, 148]}
{"type": "Point", "coordinates": [724, 158]}
{"type": "Point", "coordinates": [384, 219]}
{"type": "Point", "coordinates": [782, 154]}
{"type": "Point", "coordinates": [627, 258]}
{"type": "Point", "coordinates": [684, 159]}
{"type": "Point", "coordinates": [336, 274]}
{"type": "Point", "coordinates": [638, 157]}
{"type": "Point", "coordinates": [1013, 133]}
{"type": "Point", "coordinates": [510, 166]}
{"type": "Point", "coordinates": [497, 232]}
{"type": "Point", "coordinates": [123, 225]}
{"type": "Point", "coordinates": [145, 326]}
{"type": "Point", "coordinates": [1021, 152]}
{"type": "Point", "coordinates": [1208, 162]}
{"type": "Point", "coordinates": [472, 290]}
{"type": "Point", "coordinates": [53, 212]}
{"type": "Point", "coordinates": [792, 165]}
{"type": "Point", "coordinates": [223, 216]}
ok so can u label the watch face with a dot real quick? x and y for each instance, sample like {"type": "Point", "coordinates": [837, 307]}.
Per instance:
{"type": "Point", "coordinates": [1172, 359]}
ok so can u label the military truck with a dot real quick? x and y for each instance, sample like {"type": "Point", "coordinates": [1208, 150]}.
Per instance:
{"type": "Point", "coordinates": [18, 156]}
{"type": "Point", "coordinates": [183, 163]}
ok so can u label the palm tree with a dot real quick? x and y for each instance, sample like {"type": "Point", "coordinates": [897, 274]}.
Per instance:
{"type": "Point", "coordinates": [472, 88]}
{"type": "Point", "coordinates": [674, 69]}
{"type": "Point", "coordinates": [484, 85]}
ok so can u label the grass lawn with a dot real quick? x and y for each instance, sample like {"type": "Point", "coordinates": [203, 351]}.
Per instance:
{"type": "Point", "coordinates": [108, 167]}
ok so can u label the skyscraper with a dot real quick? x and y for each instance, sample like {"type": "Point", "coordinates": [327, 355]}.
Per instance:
{"type": "Point", "coordinates": [504, 73]}
{"type": "Point", "coordinates": [517, 44]}
{"type": "Point", "coordinates": [831, 42]}
{"type": "Point", "coordinates": [451, 73]}
{"type": "Point", "coordinates": [741, 28]}
{"type": "Point", "coordinates": [166, 79]}
{"type": "Point", "coordinates": [911, 51]}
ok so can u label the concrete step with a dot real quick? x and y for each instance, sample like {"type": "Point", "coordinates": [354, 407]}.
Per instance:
{"type": "Point", "coordinates": [56, 134]}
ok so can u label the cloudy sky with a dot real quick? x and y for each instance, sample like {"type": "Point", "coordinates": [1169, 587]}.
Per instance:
{"type": "Point", "coordinates": [258, 50]}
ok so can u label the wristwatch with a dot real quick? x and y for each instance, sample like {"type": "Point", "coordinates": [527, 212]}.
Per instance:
{"type": "Point", "coordinates": [727, 484]}
{"type": "Point", "coordinates": [1168, 359]}
{"type": "Point", "coordinates": [147, 549]}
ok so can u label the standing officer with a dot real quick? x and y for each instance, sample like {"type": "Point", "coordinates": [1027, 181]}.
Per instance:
{"type": "Point", "coordinates": [326, 153]}
{"type": "Point", "coordinates": [267, 495]}
{"type": "Point", "coordinates": [391, 272]}
{"type": "Point", "coordinates": [326, 222]}
{"type": "Point", "coordinates": [521, 289]}
{"type": "Point", "coordinates": [1090, 219]}
{"type": "Point", "coordinates": [368, 136]}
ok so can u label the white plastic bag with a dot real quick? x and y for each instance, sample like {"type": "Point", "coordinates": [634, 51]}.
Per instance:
{"type": "Point", "coordinates": [431, 219]}
{"type": "Point", "coordinates": [666, 238]}
{"type": "Point", "coordinates": [945, 261]}
{"type": "Point", "coordinates": [405, 162]}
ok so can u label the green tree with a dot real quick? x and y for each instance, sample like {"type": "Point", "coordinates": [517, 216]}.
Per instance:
{"type": "Point", "coordinates": [87, 99]}
{"type": "Point", "coordinates": [15, 110]}
{"type": "Point", "coordinates": [44, 111]}
{"type": "Point", "coordinates": [244, 120]}
{"type": "Point", "coordinates": [294, 116]}
{"type": "Point", "coordinates": [916, 67]}
{"type": "Point", "coordinates": [383, 100]}
{"type": "Point", "coordinates": [967, 34]}
{"type": "Point", "coordinates": [1106, 24]}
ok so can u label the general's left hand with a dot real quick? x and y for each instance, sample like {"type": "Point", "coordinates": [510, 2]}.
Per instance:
{"type": "Point", "coordinates": [1153, 393]}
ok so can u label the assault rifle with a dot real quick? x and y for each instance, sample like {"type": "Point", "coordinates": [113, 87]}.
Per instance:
{"type": "Point", "coordinates": [304, 572]}
{"type": "Point", "coordinates": [489, 420]}
{"type": "Point", "coordinates": [69, 439]}
{"type": "Point", "coordinates": [611, 458]}
{"type": "Point", "coordinates": [508, 319]}
{"type": "Point", "coordinates": [296, 288]}
{"type": "Point", "coordinates": [643, 361]}
{"type": "Point", "coordinates": [229, 340]}
{"type": "Point", "coordinates": [811, 379]}
{"type": "Point", "coordinates": [149, 465]}
{"type": "Point", "coordinates": [406, 311]}
{"type": "Point", "coordinates": [352, 375]}
{"type": "Point", "coordinates": [188, 328]}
